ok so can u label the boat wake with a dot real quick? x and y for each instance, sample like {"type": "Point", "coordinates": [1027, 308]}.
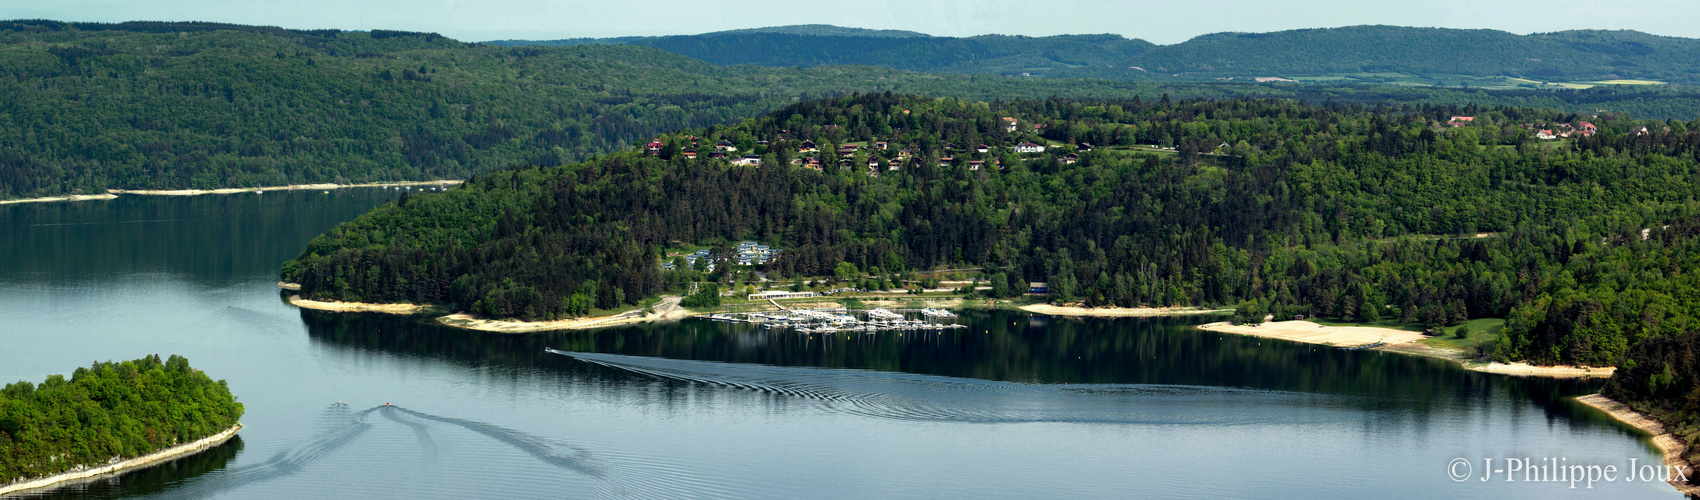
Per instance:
{"type": "Point", "coordinates": [905, 396]}
{"type": "Point", "coordinates": [427, 445]}
{"type": "Point", "coordinates": [283, 463]}
{"type": "Point", "coordinates": [346, 427]}
{"type": "Point", "coordinates": [567, 457]}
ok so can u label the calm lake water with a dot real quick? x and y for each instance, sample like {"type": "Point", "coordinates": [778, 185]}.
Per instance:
{"type": "Point", "coordinates": [1015, 406]}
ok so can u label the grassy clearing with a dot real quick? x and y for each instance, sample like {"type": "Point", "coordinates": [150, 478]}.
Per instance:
{"type": "Point", "coordinates": [1445, 80]}
{"type": "Point", "coordinates": [1628, 82]}
{"type": "Point", "coordinates": [1481, 335]}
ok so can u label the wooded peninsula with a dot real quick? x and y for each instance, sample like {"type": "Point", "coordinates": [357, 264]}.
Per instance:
{"type": "Point", "coordinates": [1430, 214]}
{"type": "Point", "coordinates": [107, 412]}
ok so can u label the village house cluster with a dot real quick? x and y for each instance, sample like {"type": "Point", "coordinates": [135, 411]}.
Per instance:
{"type": "Point", "coordinates": [876, 156]}
{"type": "Point", "coordinates": [747, 253]}
{"type": "Point", "coordinates": [1552, 132]}
{"type": "Point", "coordinates": [691, 261]}
{"type": "Point", "coordinates": [752, 253]}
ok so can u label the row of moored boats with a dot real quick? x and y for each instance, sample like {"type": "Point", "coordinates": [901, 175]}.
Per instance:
{"type": "Point", "coordinates": [813, 321]}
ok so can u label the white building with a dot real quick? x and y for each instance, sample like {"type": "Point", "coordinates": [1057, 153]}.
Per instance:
{"type": "Point", "coordinates": [780, 294]}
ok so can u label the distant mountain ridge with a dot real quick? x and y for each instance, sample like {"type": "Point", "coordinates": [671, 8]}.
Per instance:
{"type": "Point", "coordinates": [1581, 55]}
{"type": "Point", "coordinates": [824, 30]}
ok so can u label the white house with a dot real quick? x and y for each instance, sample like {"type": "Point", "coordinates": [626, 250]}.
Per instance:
{"type": "Point", "coordinates": [1028, 147]}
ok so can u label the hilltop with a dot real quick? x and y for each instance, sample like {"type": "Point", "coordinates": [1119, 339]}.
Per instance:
{"type": "Point", "coordinates": [1371, 54]}
{"type": "Point", "coordinates": [823, 30]}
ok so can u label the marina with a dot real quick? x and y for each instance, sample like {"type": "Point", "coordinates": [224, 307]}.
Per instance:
{"type": "Point", "coordinates": [843, 320]}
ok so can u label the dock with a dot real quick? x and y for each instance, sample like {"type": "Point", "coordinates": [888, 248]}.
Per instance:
{"type": "Point", "coordinates": [841, 320]}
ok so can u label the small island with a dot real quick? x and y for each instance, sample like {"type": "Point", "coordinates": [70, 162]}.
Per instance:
{"type": "Point", "coordinates": [110, 417]}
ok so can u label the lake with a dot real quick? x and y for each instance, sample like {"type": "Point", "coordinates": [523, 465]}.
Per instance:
{"type": "Point", "coordinates": [1016, 405]}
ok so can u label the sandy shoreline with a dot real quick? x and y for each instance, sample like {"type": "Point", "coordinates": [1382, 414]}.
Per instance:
{"type": "Point", "coordinates": [292, 187]}
{"type": "Point", "coordinates": [1400, 341]}
{"type": "Point", "coordinates": [1312, 333]}
{"type": "Point", "coordinates": [113, 193]}
{"type": "Point", "coordinates": [143, 461]}
{"type": "Point", "coordinates": [667, 309]}
{"type": "Point", "coordinates": [1559, 371]}
{"type": "Point", "coordinates": [1118, 312]}
{"type": "Point", "coordinates": [72, 197]}
{"type": "Point", "coordinates": [1668, 443]}
{"type": "Point", "coordinates": [403, 309]}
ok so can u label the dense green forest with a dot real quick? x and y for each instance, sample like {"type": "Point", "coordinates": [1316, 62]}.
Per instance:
{"type": "Point", "coordinates": [1582, 55]}
{"type": "Point", "coordinates": [108, 410]}
{"type": "Point", "coordinates": [87, 106]}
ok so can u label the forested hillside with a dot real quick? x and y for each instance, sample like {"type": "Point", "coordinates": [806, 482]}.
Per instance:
{"type": "Point", "coordinates": [993, 54]}
{"type": "Point", "coordinates": [1583, 55]}
{"type": "Point", "coordinates": [108, 410]}
{"type": "Point", "coordinates": [1562, 56]}
{"type": "Point", "coordinates": [1307, 210]}
{"type": "Point", "coordinates": [85, 107]}
{"type": "Point", "coordinates": [1586, 245]}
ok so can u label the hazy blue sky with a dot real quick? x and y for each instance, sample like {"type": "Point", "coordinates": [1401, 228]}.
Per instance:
{"type": "Point", "coordinates": [1165, 22]}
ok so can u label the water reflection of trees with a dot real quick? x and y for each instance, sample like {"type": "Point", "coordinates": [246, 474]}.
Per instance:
{"type": "Point", "coordinates": [1000, 345]}
{"type": "Point", "coordinates": [153, 479]}
{"type": "Point", "coordinates": [209, 239]}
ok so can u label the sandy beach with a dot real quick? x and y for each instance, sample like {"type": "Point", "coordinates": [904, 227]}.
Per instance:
{"type": "Point", "coordinates": [667, 309]}
{"type": "Point", "coordinates": [1400, 341]}
{"type": "Point", "coordinates": [1312, 333]}
{"type": "Point", "coordinates": [1560, 371]}
{"type": "Point", "coordinates": [113, 193]}
{"type": "Point", "coordinates": [1667, 442]}
{"type": "Point", "coordinates": [74, 197]}
{"type": "Point", "coordinates": [292, 187]}
{"type": "Point", "coordinates": [403, 309]}
{"type": "Point", "coordinates": [1118, 312]}
{"type": "Point", "coordinates": [95, 473]}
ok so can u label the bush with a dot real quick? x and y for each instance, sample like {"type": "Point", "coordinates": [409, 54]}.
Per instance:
{"type": "Point", "coordinates": [1250, 312]}
{"type": "Point", "coordinates": [706, 296]}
